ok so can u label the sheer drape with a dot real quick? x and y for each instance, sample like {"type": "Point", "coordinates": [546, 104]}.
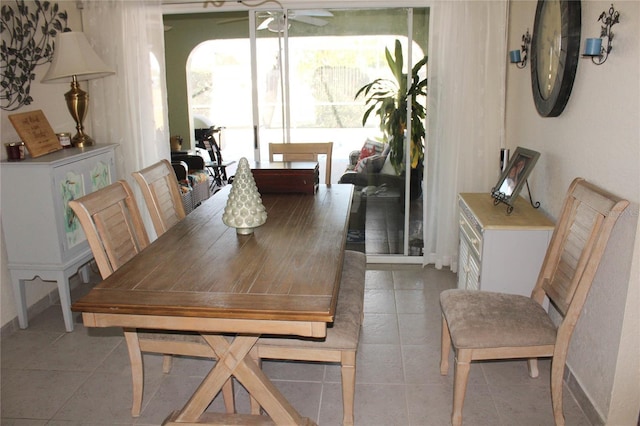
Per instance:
{"type": "Point", "coordinates": [467, 57]}
{"type": "Point", "coordinates": [129, 108]}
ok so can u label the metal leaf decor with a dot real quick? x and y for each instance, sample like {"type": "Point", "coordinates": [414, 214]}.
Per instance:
{"type": "Point", "coordinates": [27, 41]}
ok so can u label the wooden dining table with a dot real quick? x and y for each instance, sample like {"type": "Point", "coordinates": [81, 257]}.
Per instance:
{"type": "Point", "coordinates": [202, 276]}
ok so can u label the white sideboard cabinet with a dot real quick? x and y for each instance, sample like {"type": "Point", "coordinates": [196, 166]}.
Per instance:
{"type": "Point", "coordinates": [42, 235]}
{"type": "Point", "coordinates": [500, 252]}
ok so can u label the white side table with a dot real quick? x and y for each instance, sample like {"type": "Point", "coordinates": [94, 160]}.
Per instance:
{"type": "Point", "coordinates": [500, 252]}
{"type": "Point", "coordinates": [42, 235]}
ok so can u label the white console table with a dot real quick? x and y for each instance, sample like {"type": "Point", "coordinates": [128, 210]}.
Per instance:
{"type": "Point", "coordinates": [42, 235]}
{"type": "Point", "coordinates": [500, 252]}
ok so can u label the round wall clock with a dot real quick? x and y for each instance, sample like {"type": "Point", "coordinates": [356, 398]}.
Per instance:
{"type": "Point", "coordinates": [555, 49]}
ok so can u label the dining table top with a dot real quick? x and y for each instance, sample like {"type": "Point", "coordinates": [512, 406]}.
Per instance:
{"type": "Point", "coordinates": [288, 270]}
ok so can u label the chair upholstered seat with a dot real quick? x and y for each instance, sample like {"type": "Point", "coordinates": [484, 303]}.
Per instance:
{"type": "Point", "coordinates": [482, 319]}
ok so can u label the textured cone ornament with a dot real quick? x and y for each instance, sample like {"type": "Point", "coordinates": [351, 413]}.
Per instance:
{"type": "Point", "coordinates": [244, 210]}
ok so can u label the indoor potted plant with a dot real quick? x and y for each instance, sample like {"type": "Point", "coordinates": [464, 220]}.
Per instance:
{"type": "Point", "coordinates": [388, 98]}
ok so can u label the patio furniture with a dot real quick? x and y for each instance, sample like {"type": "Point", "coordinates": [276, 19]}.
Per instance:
{"type": "Point", "coordinates": [303, 152]}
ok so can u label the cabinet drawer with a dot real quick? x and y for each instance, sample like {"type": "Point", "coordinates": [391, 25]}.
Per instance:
{"type": "Point", "coordinates": [474, 239]}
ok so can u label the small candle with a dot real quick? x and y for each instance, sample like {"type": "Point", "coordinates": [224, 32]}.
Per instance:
{"type": "Point", "coordinates": [515, 56]}
{"type": "Point", "coordinates": [593, 46]}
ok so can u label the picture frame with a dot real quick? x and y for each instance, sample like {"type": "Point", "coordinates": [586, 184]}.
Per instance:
{"type": "Point", "coordinates": [514, 176]}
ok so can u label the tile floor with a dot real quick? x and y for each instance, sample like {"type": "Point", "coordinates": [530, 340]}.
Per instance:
{"type": "Point", "coordinates": [50, 377]}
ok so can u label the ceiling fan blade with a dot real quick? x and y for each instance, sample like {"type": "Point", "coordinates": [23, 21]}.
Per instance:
{"type": "Point", "coordinates": [309, 20]}
{"type": "Point", "coordinates": [314, 12]}
{"type": "Point", "coordinates": [229, 21]}
{"type": "Point", "coordinates": [265, 24]}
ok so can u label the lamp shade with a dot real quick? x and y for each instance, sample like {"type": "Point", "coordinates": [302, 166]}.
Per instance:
{"type": "Point", "coordinates": [74, 56]}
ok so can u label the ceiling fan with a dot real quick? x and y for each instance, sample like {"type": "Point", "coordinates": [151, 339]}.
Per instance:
{"type": "Point", "coordinates": [275, 21]}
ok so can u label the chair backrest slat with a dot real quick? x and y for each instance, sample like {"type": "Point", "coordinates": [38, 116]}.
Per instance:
{"type": "Point", "coordinates": [304, 152]}
{"type": "Point", "coordinates": [112, 224]}
{"type": "Point", "coordinates": [577, 245]}
{"type": "Point", "coordinates": [160, 188]}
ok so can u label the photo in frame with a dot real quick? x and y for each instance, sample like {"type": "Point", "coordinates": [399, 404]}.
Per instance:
{"type": "Point", "coordinates": [514, 176]}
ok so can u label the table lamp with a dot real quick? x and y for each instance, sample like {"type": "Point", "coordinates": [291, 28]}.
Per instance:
{"type": "Point", "coordinates": [75, 59]}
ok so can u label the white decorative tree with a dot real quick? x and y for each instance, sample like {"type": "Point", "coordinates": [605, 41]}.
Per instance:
{"type": "Point", "coordinates": [244, 210]}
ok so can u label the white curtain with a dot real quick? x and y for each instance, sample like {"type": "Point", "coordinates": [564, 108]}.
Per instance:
{"type": "Point", "coordinates": [468, 59]}
{"type": "Point", "coordinates": [129, 108]}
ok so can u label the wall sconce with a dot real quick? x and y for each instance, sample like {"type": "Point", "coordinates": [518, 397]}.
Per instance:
{"type": "Point", "coordinates": [514, 55]}
{"type": "Point", "coordinates": [593, 47]}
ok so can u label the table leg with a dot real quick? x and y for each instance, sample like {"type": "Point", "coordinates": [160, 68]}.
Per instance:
{"type": "Point", "coordinates": [234, 360]}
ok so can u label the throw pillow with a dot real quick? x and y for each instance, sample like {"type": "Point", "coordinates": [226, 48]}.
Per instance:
{"type": "Point", "coordinates": [371, 164]}
{"type": "Point", "coordinates": [370, 148]}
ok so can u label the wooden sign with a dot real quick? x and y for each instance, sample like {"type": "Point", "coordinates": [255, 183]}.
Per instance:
{"type": "Point", "coordinates": [36, 132]}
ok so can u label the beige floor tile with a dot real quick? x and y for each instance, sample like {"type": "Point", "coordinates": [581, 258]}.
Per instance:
{"type": "Point", "coordinates": [419, 329]}
{"type": "Point", "coordinates": [50, 377]}
{"type": "Point", "coordinates": [429, 404]}
{"type": "Point", "coordinates": [422, 365]}
{"type": "Point", "coordinates": [18, 348]}
{"type": "Point", "coordinates": [379, 364]}
{"type": "Point", "coordinates": [379, 279]}
{"type": "Point", "coordinates": [380, 405]}
{"type": "Point", "coordinates": [380, 328]}
{"type": "Point", "coordinates": [24, 422]}
{"type": "Point", "coordinates": [81, 350]}
{"type": "Point", "coordinates": [377, 301]}
{"type": "Point", "coordinates": [294, 370]}
{"type": "Point", "coordinates": [413, 302]}
{"type": "Point", "coordinates": [106, 396]}
{"type": "Point", "coordinates": [37, 394]}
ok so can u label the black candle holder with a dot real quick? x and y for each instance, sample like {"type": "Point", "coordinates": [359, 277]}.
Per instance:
{"type": "Point", "coordinates": [526, 42]}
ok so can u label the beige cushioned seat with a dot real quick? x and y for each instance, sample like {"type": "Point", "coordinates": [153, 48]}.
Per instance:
{"type": "Point", "coordinates": [478, 320]}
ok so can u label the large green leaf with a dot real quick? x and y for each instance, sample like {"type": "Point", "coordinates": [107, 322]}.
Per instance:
{"type": "Point", "coordinates": [388, 99]}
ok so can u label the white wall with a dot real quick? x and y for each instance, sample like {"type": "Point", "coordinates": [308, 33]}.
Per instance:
{"type": "Point", "coordinates": [596, 137]}
{"type": "Point", "coordinates": [50, 99]}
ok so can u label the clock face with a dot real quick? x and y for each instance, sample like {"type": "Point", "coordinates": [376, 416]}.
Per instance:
{"type": "Point", "coordinates": [555, 49]}
{"type": "Point", "coordinates": [549, 47]}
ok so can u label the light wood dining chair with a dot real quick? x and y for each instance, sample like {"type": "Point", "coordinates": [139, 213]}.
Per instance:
{"type": "Point", "coordinates": [115, 232]}
{"type": "Point", "coordinates": [161, 193]}
{"type": "Point", "coordinates": [304, 152]}
{"type": "Point", "coordinates": [341, 342]}
{"type": "Point", "coordinates": [485, 325]}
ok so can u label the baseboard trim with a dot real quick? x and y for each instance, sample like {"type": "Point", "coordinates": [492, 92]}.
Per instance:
{"type": "Point", "coordinates": [582, 399]}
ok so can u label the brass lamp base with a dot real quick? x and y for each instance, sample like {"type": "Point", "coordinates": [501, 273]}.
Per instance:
{"type": "Point", "coordinates": [78, 103]}
{"type": "Point", "coordinates": [82, 140]}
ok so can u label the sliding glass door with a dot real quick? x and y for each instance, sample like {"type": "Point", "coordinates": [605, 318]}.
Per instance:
{"type": "Point", "coordinates": [294, 78]}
